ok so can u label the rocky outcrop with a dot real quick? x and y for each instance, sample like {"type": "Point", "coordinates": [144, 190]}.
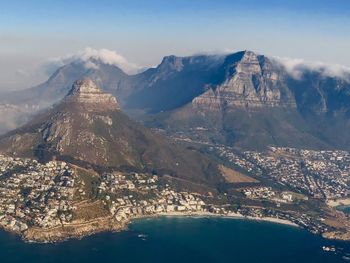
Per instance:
{"type": "Point", "coordinates": [254, 83]}
{"type": "Point", "coordinates": [85, 93]}
{"type": "Point", "coordinates": [73, 230]}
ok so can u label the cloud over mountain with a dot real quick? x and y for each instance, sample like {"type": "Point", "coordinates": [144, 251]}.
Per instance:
{"type": "Point", "coordinates": [297, 67]}
{"type": "Point", "coordinates": [88, 56]}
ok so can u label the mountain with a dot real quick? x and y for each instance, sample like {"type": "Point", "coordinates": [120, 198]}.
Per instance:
{"type": "Point", "coordinates": [88, 128]}
{"type": "Point", "coordinates": [175, 82]}
{"type": "Point", "coordinates": [241, 99]}
{"type": "Point", "coordinates": [141, 92]}
{"type": "Point", "coordinates": [255, 102]}
{"type": "Point", "coordinates": [30, 101]}
{"type": "Point", "coordinates": [58, 85]}
{"type": "Point", "coordinates": [251, 82]}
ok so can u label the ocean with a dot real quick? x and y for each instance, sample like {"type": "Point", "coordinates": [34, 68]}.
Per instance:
{"type": "Point", "coordinates": [344, 208]}
{"type": "Point", "coordinates": [179, 239]}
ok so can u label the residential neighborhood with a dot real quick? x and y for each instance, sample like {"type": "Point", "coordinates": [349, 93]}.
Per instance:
{"type": "Point", "coordinates": [34, 194]}
{"type": "Point", "coordinates": [320, 174]}
{"type": "Point", "coordinates": [47, 196]}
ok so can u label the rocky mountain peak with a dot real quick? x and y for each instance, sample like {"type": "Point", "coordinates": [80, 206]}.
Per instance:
{"type": "Point", "coordinates": [249, 63]}
{"type": "Point", "coordinates": [251, 84]}
{"type": "Point", "coordinates": [172, 63]}
{"type": "Point", "coordinates": [86, 129]}
{"type": "Point", "coordinates": [86, 93]}
{"type": "Point", "coordinates": [85, 85]}
{"type": "Point", "coordinates": [249, 55]}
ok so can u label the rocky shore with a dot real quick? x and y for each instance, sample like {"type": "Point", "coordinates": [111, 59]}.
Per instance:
{"type": "Point", "coordinates": [72, 231]}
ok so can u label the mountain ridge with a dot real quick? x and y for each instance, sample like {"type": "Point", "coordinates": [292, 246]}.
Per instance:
{"type": "Point", "coordinates": [233, 88]}
{"type": "Point", "coordinates": [88, 128]}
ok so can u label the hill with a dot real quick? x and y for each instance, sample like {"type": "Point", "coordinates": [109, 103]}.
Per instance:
{"type": "Point", "coordinates": [88, 128]}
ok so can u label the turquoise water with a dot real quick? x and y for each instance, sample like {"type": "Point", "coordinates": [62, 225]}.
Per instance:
{"type": "Point", "coordinates": [182, 240]}
{"type": "Point", "coordinates": [344, 208]}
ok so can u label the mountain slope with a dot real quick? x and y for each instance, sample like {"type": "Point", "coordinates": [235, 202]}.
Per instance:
{"type": "Point", "coordinates": [175, 82]}
{"type": "Point", "coordinates": [30, 101]}
{"type": "Point", "coordinates": [89, 129]}
{"type": "Point", "coordinates": [58, 85]}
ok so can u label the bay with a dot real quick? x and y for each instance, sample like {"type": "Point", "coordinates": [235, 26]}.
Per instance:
{"type": "Point", "coordinates": [344, 208]}
{"type": "Point", "coordinates": [179, 239]}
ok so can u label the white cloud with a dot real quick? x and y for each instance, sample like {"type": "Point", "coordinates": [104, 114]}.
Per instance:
{"type": "Point", "coordinates": [88, 55]}
{"type": "Point", "coordinates": [90, 65]}
{"type": "Point", "coordinates": [297, 67]}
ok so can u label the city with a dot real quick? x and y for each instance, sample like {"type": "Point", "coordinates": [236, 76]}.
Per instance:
{"type": "Point", "coordinates": [64, 192]}
{"type": "Point", "coordinates": [320, 174]}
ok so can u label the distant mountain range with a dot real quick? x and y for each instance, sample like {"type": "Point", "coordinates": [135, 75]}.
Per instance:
{"type": "Point", "coordinates": [242, 99]}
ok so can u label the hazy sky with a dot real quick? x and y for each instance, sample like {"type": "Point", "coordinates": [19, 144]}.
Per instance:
{"type": "Point", "coordinates": [33, 32]}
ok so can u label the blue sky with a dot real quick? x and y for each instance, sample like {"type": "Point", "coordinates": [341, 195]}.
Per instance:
{"type": "Point", "coordinates": [32, 31]}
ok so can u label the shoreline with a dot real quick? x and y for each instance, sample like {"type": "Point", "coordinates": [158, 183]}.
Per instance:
{"type": "Point", "coordinates": [114, 227]}
{"type": "Point", "coordinates": [339, 202]}
{"type": "Point", "coordinates": [226, 216]}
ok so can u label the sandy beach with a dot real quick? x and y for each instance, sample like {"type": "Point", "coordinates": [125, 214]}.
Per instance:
{"type": "Point", "coordinates": [229, 215]}
{"type": "Point", "coordinates": [338, 202]}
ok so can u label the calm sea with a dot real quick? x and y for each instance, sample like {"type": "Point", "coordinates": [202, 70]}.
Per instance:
{"type": "Point", "coordinates": [344, 208]}
{"type": "Point", "coordinates": [174, 239]}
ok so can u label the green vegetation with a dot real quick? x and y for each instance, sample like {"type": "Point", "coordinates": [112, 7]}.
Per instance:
{"type": "Point", "coordinates": [90, 182]}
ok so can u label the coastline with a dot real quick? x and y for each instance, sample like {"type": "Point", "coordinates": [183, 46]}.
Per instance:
{"type": "Point", "coordinates": [228, 216]}
{"type": "Point", "coordinates": [71, 231]}
{"type": "Point", "coordinates": [339, 202]}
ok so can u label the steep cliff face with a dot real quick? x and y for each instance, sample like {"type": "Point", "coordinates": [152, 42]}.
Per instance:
{"type": "Point", "coordinates": [250, 83]}
{"type": "Point", "coordinates": [88, 128]}
{"type": "Point", "coordinates": [321, 95]}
